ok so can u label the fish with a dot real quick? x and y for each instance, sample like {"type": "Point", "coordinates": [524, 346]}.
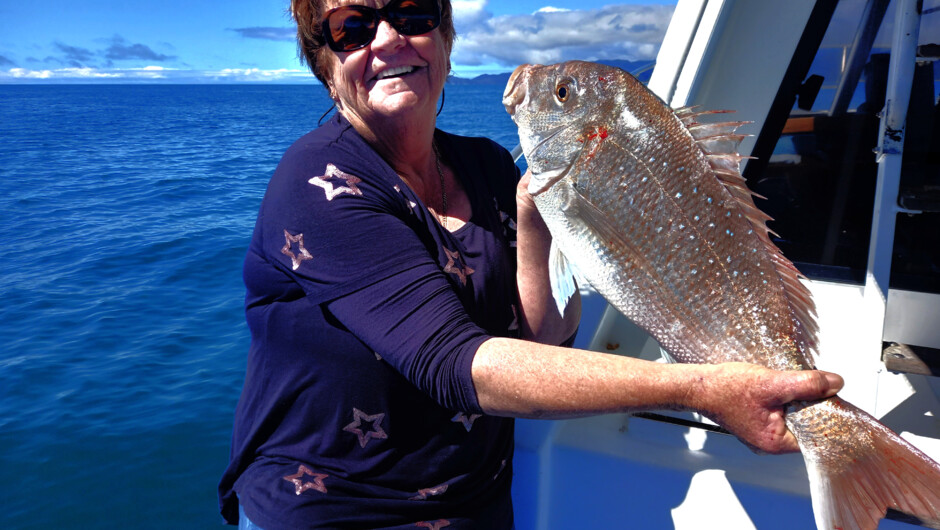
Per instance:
{"type": "Point", "coordinates": [647, 203]}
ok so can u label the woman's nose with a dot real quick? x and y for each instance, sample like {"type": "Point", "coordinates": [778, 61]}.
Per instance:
{"type": "Point", "coordinates": [387, 37]}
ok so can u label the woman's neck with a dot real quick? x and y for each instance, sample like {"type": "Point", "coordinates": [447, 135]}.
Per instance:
{"type": "Point", "coordinates": [406, 145]}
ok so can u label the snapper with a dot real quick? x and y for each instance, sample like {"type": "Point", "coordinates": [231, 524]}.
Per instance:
{"type": "Point", "coordinates": [649, 206]}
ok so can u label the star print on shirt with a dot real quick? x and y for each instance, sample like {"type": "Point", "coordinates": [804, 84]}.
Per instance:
{"type": "Point", "coordinates": [347, 183]}
{"type": "Point", "coordinates": [423, 494]}
{"type": "Point", "coordinates": [456, 266]}
{"type": "Point", "coordinates": [300, 485]}
{"type": "Point", "coordinates": [436, 525]}
{"type": "Point", "coordinates": [366, 436]}
{"type": "Point", "coordinates": [411, 204]}
{"type": "Point", "coordinates": [467, 421]}
{"type": "Point", "coordinates": [296, 259]}
{"type": "Point", "coordinates": [509, 224]}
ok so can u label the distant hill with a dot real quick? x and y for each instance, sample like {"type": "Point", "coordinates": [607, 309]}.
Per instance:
{"type": "Point", "coordinates": [503, 78]}
{"type": "Point", "coordinates": [485, 79]}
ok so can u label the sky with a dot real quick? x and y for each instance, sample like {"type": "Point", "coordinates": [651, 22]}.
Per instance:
{"type": "Point", "coordinates": [208, 41]}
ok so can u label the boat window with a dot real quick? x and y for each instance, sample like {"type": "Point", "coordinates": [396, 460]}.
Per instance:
{"type": "Point", "coordinates": [820, 179]}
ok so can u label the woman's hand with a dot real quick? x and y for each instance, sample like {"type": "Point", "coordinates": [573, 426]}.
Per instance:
{"type": "Point", "coordinates": [523, 197]}
{"type": "Point", "coordinates": [539, 318]}
{"type": "Point", "coordinates": [749, 401]}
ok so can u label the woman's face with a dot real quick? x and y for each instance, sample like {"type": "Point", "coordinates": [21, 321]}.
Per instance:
{"type": "Point", "coordinates": [393, 75]}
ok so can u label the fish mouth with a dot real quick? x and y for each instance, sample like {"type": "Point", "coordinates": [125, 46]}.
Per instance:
{"type": "Point", "coordinates": [515, 92]}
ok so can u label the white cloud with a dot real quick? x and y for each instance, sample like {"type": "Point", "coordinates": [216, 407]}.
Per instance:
{"type": "Point", "coordinates": [60, 73]}
{"type": "Point", "coordinates": [258, 74]}
{"type": "Point", "coordinates": [469, 12]}
{"type": "Point", "coordinates": [616, 32]}
{"type": "Point", "coordinates": [154, 73]}
{"type": "Point", "coordinates": [464, 7]}
{"type": "Point", "coordinates": [23, 73]}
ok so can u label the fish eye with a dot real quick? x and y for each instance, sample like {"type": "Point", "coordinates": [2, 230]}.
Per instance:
{"type": "Point", "coordinates": [562, 92]}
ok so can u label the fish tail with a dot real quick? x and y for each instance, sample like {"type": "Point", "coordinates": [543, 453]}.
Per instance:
{"type": "Point", "coordinates": [855, 480]}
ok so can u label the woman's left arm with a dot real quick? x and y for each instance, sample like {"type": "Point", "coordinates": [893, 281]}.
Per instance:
{"type": "Point", "coordinates": [539, 318]}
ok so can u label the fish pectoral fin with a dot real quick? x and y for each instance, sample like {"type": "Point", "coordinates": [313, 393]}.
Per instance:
{"type": "Point", "coordinates": [577, 206]}
{"type": "Point", "coordinates": [561, 278]}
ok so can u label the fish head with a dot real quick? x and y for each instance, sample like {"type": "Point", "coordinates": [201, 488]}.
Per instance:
{"type": "Point", "coordinates": [555, 108]}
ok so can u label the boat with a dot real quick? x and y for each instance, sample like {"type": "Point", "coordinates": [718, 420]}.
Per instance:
{"type": "Point", "coordinates": [846, 145]}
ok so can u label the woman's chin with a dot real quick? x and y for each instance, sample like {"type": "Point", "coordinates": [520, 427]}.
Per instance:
{"type": "Point", "coordinates": [400, 104]}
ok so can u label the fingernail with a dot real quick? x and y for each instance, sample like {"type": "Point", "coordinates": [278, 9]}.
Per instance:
{"type": "Point", "coordinates": [835, 382]}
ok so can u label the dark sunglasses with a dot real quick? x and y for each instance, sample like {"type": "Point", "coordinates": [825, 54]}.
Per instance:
{"type": "Point", "coordinates": [352, 27]}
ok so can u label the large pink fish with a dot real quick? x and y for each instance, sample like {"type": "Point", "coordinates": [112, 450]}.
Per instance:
{"type": "Point", "coordinates": [648, 205]}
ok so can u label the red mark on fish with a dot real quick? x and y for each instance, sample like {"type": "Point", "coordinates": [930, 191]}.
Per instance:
{"type": "Point", "coordinates": [600, 133]}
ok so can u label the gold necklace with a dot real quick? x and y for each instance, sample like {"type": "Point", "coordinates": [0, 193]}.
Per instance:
{"type": "Point", "coordinates": [440, 173]}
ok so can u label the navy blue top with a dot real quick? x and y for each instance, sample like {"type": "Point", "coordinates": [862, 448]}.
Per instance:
{"type": "Point", "coordinates": [358, 408]}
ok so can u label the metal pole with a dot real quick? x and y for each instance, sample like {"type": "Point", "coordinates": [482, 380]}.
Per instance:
{"type": "Point", "coordinates": [889, 155]}
{"type": "Point", "coordinates": [855, 60]}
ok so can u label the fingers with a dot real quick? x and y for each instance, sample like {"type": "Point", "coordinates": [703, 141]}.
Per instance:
{"type": "Point", "coordinates": [750, 402]}
{"type": "Point", "coordinates": [524, 181]}
{"type": "Point", "coordinates": [755, 412]}
{"type": "Point", "coordinates": [523, 197]}
{"type": "Point", "coordinates": [786, 444]}
{"type": "Point", "coordinates": [783, 441]}
{"type": "Point", "coordinates": [810, 385]}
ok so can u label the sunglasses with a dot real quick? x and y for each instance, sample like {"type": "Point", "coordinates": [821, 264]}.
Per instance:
{"type": "Point", "coordinates": [352, 27]}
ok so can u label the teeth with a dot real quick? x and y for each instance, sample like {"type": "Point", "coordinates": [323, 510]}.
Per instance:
{"type": "Point", "coordinates": [398, 70]}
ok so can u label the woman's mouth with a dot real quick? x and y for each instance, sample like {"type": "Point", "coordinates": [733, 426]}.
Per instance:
{"type": "Point", "coordinates": [397, 71]}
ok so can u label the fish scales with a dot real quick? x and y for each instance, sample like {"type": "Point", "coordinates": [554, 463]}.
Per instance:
{"type": "Point", "coordinates": [686, 229]}
{"type": "Point", "coordinates": [648, 205]}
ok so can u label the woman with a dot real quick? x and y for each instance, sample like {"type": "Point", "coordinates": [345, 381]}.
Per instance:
{"type": "Point", "coordinates": [400, 311]}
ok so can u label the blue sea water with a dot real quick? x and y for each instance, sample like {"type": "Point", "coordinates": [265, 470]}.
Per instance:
{"type": "Point", "coordinates": [125, 213]}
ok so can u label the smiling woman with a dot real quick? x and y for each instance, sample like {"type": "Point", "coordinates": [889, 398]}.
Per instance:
{"type": "Point", "coordinates": [359, 405]}
{"type": "Point", "coordinates": [393, 270]}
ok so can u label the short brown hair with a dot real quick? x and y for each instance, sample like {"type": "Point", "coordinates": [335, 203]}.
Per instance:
{"type": "Point", "coordinates": [308, 14]}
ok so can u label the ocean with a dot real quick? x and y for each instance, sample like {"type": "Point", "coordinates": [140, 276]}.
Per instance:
{"type": "Point", "coordinates": [125, 213]}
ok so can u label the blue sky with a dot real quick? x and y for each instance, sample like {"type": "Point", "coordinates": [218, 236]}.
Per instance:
{"type": "Point", "coordinates": [252, 40]}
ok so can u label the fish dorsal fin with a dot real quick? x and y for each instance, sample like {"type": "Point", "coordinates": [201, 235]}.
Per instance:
{"type": "Point", "coordinates": [719, 142]}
